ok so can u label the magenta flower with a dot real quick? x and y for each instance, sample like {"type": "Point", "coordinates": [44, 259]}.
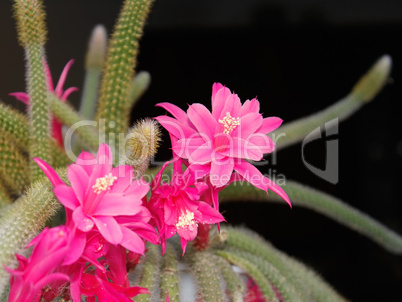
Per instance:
{"type": "Point", "coordinates": [104, 199]}
{"type": "Point", "coordinates": [62, 95]}
{"type": "Point", "coordinates": [40, 269]}
{"type": "Point", "coordinates": [176, 206]}
{"type": "Point", "coordinates": [219, 142]}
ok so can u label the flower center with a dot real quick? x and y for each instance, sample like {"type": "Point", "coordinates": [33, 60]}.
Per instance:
{"type": "Point", "coordinates": [186, 220]}
{"type": "Point", "coordinates": [104, 183]}
{"type": "Point", "coordinates": [229, 123]}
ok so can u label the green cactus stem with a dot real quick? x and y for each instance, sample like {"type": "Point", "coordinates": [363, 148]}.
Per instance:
{"type": "Point", "coordinates": [23, 220]}
{"type": "Point", "coordinates": [301, 195]}
{"type": "Point", "coordinates": [31, 29]}
{"type": "Point", "coordinates": [15, 125]}
{"type": "Point", "coordinates": [169, 282]}
{"type": "Point", "coordinates": [5, 198]}
{"type": "Point", "coordinates": [69, 117]}
{"type": "Point", "coordinates": [150, 273]}
{"type": "Point", "coordinates": [14, 168]}
{"type": "Point", "coordinates": [137, 88]}
{"type": "Point", "coordinates": [362, 93]}
{"type": "Point", "coordinates": [94, 63]}
{"type": "Point", "coordinates": [119, 69]}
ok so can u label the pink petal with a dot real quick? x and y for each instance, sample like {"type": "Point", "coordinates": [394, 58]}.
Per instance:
{"type": "Point", "coordinates": [232, 105]}
{"type": "Point", "coordinates": [124, 176]}
{"type": "Point", "coordinates": [59, 88]}
{"type": "Point", "coordinates": [87, 161]}
{"type": "Point", "coordinates": [104, 157]}
{"type": "Point", "coordinates": [175, 127]}
{"type": "Point", "coordinates": [82, 221]}
{"type": "Point", "coordinates": [278, 190]}
{"type": "Point", "coordinates": [249, 124]}
{"type": "Point", "coordinates": [78, 242]}
{"type": "Point", "coordinates": [209, 214]}
{"type": "Point", "coordinates": [269, 124]}
{"type": "Point", "coordinates": [245, 149]}
{"type": "Point", "coordinates": [186, 146]}
{"type": "Point", "coordinates": [48, 74]}
{"type": "Point", "coordinates": [109, 229]}
{"type": "Point", "coordinates": [263, 142]}
{"type": "Point", "coordinates": [221, 171]}
{"type": "Point", "coordinates": [21, 96]}
{"type": "Point", "coordinates": [183, 244]}
{"type": "Point", "coordinates": [202, 119]}
{"type": "Point", "coordinates": [49, 279]}
{"type": "Point", "coordinates": [66, 196]}
{"type": "Point", "coordinates": [138, 189]}
{"type": "Point", "coordinates": [49, 172]}
{"type": "Point", "coordinates": [219, 96]}
{"type": "Point", "coordinates": [188, 232]}
{"type": "Point", "coordinates": [250, 106]}
{"type": "Point", "coordinates": [200, 170]}
{"type": "Point", "coordinates": [178, 113]}
{"type": "Point", "coordinates": [117, 204]}
{"type": "Point", "coordinates": [67, 93]}
{"type": "Point", "coordinates": [79, 180]}
{"type": "Point", "coordinates": [132, 241]}
{"type": "Point", "coordinates": [202, 155]}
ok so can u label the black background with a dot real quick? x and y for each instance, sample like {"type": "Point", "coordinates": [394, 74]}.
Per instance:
{"type": "Point", "coordinates": [297, 57]}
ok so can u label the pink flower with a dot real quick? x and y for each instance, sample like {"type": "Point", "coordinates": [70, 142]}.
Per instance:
{"type": "Point", "coordinates": [219, 142]}
{"type": "Point", "coordinates": [62, 95]}
{"type": "Point", "coordinates": [103, 199]}
{"type": "Point", "coordinates": [176, 206]}
{"type": "Point", "coordinates": [40, 269]}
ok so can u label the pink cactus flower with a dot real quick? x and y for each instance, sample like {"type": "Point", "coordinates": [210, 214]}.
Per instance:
{"type": "Point", "coordinates": [176, 206]}
{"type": "Point", "coordinates": [104, 199]}
{"type": "Point", "coordinates": [219, 142]}
{"type": "Point", "coordinates": [58, 91]}
{"type": "Point", "coordinates": [49, 250]}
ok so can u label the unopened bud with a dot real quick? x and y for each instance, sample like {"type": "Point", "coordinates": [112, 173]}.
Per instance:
{"type": "Point", "coordinates": [96, 48]}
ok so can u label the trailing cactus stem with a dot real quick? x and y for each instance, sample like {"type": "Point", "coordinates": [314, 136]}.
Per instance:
{"type": "Point", "coordinates": [15, 126]}
{"type": "Point", "coordinates": [169, 275]}
{"type": "Point", "coordinates": [119, 69]}
{"type": "Point", "coordinates": [32, 32]}
{"type": "Point", "coordinates": [94, 63]}
{"type": "Point", "coordinates": [325, 204]}
{"type": "Point", "coordinates": [69, 117]}
{"type": "Point", "coordinates": [4, 196]}
{"type": "Point", "coordinates": [364, 91]}
{"type": "Point", "coordinates": [137, 88]}
{"type": "Point", "coordinates": [23, 220]}
{"type": "Point", "coordinates": [14, 167]}
{"type": "Point", "coordinates": [150, 273]}
{"type": "Point", "coordinates": [207, 276]}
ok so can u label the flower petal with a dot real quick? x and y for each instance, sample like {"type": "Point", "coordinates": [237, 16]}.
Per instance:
{"type": "Point", "coordinates": [175, 127]}
{"type": "Point", "coordinates": [202, 119]}
{"type": "Point", "coordinates": [250, 106]}
{"type": "Point", "coordinates": [269, 124]}
{"type": "Point", "coordinates": [178, 113]}
{"type": "Point", "coordinates": [249, 124]}
{"type": "Point", "coordinates": [221, 171]}
{"type": "Point", "coordinates": [219, 97]}
{"type": "Point", "coordinates": [66, 196]}
{"type": "Point", "coordinates": [82, 221]}
{"type": "Point", "coordinates": [209, 214]}
{"type": "Point", "coordinates": [79, 181]}
{"type": "Point", "coordinates": [49, 171]}
{"type": "Point", "coordinates": [132, 241]}
{"type": "Point", "coordinates": [117, 204]}
{"type": "Point", "coordinates": [109, 229]}
{"type": "Point", "coordinates": [87, 161]}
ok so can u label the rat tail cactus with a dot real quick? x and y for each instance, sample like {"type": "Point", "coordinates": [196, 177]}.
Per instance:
{"type": "Point", "coordinates": [105, 226]}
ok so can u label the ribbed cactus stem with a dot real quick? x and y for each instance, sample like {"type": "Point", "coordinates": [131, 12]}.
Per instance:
{"type": "Point", "coordinates": [14, 168]}
{"type": "Point", "coordinates": [207, 277]}
{"type": "Point", "coordinates": [325, 204]}
{"type": "Point", "coordinates": [169, 282]}
{"type": "Point", "coordinates": [150, 273]}
{"type": "Point", "coordinates": [296, 273]}
{"type": "Point", "coordinates": [364, 91]}
{"type": "Point", "coordinates": [77, 124]}
{"type": "Point", "coordinates": [254, 273]}
{"type": "Point", "coordinates": [120, 64]}
{"type": "Point", "coordinates": [15, 125]}
{"type": "Point", "coordinates": [23, 220]}
{"type": "Point", "coordinates": [31, 27]}
{"type": "Point", "coordinates": [137, 88]}
{"type": "Point", "coordinates": [234, 283]}
{"type": "Point", "coordinates": [4, 196]}
{"type": "Point", "coordinates": [94, 63]}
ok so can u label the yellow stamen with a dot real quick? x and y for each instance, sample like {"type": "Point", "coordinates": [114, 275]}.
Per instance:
{"type": "Point", "coordinates": [104, 183]}
{"type": "Point", "coordinates": [187, 219]}
{"type": "Point", "coordinates": [229, 123]}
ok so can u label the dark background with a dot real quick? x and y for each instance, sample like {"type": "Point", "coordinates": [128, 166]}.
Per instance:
{"type": "Point", "coordinates": [298, 57]}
